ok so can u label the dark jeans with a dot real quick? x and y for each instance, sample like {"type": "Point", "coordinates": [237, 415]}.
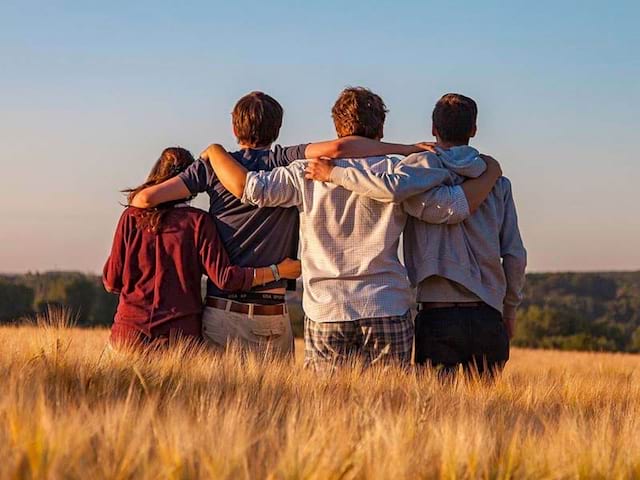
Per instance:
{"type": "Point", "coordinates": [474, 337]}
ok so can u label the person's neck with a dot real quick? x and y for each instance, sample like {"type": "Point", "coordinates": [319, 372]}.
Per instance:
{"type": "Point", "coordinates": [254, 147]}
{"type": "Point", "coordinates": [447, 145]}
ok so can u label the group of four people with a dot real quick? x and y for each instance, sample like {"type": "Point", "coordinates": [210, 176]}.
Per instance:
{"type": "Point", "coordinates": [344, 211]}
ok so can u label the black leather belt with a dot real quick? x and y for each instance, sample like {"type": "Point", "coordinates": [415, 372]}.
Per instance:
{"type": "Point", "coordinates": [432, 305]}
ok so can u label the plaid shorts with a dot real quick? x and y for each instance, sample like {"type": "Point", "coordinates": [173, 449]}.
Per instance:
{"type": "Point", "coordinates": [371, 340]}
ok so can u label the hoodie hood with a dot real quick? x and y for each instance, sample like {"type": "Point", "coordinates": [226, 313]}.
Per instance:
{"type": "Point", "coordinates": [462, 160]}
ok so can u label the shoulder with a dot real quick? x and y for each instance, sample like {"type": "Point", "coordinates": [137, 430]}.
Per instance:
{"type": "Point", "coordinates": [503, 187]}
{"type": "Point", "coordinates": [130, 213]}
{"type": "Point", "coordinates": [505, 183]}
{"type": "Point", "coordinates": [423, 159]}
{"type": "Point", "coordinates": [127, 221]}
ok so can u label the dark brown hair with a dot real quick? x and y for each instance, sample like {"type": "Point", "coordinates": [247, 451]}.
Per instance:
{"type": "Point", "coordinates": [454, 117]}
{"type": "Point", "coordinates": [257, 119]}
{"type": "Point", "coordinates": [172, 162]}
{"type": "Point", "coordinates": [359, 111]}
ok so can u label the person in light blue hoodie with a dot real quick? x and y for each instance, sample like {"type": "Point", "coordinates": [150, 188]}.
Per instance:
{"type": "Point", "coordinates": [469, 275]}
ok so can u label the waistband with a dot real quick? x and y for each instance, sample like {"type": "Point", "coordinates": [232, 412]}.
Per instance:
{"type": "Point", "coordinates": [258, 298]}
{"type": "Point", "coordinates": [245, 308]}
{"type": "Point", "coordinates": [434, 305]}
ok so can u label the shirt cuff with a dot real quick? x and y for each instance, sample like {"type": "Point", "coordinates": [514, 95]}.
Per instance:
{"type": "Point", "coordinates": [460, 206]}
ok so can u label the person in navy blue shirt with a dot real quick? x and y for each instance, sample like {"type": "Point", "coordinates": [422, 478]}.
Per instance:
{"type": "Point", "coordinates": [252, 236]}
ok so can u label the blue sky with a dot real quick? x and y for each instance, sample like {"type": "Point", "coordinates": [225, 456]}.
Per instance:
{"type": "Point", "coordinates": [90, 95]}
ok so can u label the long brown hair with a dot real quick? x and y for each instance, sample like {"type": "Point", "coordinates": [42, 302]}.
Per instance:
{"type": "Point", "coordinates": [172, 162]}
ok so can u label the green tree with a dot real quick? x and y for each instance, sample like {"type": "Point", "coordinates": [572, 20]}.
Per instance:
{"type": "Point", "coordinates": [15, 301]}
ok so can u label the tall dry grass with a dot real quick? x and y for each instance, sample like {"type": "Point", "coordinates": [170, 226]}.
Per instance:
{"type": "Point", "coordinates": [70, 408]}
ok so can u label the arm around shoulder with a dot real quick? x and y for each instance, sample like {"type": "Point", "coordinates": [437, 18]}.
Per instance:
{"type": "Point", "coordinates": [171, 190]}
{"type": "Point", "coordinates": [231, 173]}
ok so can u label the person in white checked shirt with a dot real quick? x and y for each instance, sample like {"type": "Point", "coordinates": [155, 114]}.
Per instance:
{"type": "Point", "coordinates": [357, 296]}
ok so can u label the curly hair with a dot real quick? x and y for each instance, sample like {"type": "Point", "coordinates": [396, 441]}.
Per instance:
{"type": "Point", "coordinates": [359, 111]}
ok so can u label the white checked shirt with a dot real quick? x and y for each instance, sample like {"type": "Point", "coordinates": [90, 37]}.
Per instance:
{"type": "Point", "coordinates": [349, 243]}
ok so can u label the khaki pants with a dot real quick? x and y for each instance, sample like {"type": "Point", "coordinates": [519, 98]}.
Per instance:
{"type": "Point", "coordinates": [259, 333]}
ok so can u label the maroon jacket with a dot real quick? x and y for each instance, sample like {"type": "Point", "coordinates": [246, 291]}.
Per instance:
{"type": "Point", "coordinates": [158, 276]}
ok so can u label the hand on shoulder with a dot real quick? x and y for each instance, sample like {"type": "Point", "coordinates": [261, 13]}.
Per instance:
{"type": "Point", "coordinates": [319, 169]}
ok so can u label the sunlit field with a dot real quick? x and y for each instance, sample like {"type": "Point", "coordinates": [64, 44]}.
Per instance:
{"type": "Point", "coordinates": [71, 408]}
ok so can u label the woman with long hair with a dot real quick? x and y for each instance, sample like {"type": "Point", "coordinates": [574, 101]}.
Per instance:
{"type": "Point", "coordinates": [157, 261]}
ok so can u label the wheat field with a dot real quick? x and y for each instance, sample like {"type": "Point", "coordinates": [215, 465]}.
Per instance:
{"type": "Point", "coordinates": [71, 408]}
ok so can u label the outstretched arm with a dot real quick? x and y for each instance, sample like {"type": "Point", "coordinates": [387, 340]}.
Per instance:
{"type": "Point", "coordinates": [420, 187]}
{"type": "Point", "coordinates": [192, 181]}
{"type": "Point", "coordinates": [216, 264]}
{"type": "Point", "coordinates": [172, 189]}
{"type": "Point", "coordinates": [359, 147]}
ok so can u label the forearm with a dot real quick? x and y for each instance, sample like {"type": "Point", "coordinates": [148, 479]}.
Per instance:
{"type": "Point", "coordinates": [358, 147]}
{"type": "Point", "coordinates": [171, 190]}
{"type": "Point", "coordinates": [231, 173]}
{"type": "Point", "coordinates": [478, 189]}
{"type": "Point", "coordinates": [394, 187]}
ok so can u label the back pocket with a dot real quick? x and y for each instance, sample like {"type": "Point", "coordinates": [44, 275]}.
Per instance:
{"type": "Point", "coordinates": [269, 327]}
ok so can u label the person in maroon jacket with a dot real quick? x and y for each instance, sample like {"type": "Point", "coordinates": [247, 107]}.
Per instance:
{"type": "Point", "coordinates": [157, 261]}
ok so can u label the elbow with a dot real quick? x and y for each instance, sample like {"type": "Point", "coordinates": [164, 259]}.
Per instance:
{"type": "Point", "coordinates": [213, 150]}
{"type": "Point", "coordinates": [237, 191]}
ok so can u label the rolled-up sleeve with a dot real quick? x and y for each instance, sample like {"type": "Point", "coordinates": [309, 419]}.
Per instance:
{"type": "Point", "coordinates": [281, 187]}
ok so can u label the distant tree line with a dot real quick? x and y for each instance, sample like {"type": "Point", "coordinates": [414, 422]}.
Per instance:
{"type": "Point", "coordinates": [581, 311]}
{"type": "Point", "coordinates": [568, 311]}
{"type": "Point", "coordinates": [23, 296]}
